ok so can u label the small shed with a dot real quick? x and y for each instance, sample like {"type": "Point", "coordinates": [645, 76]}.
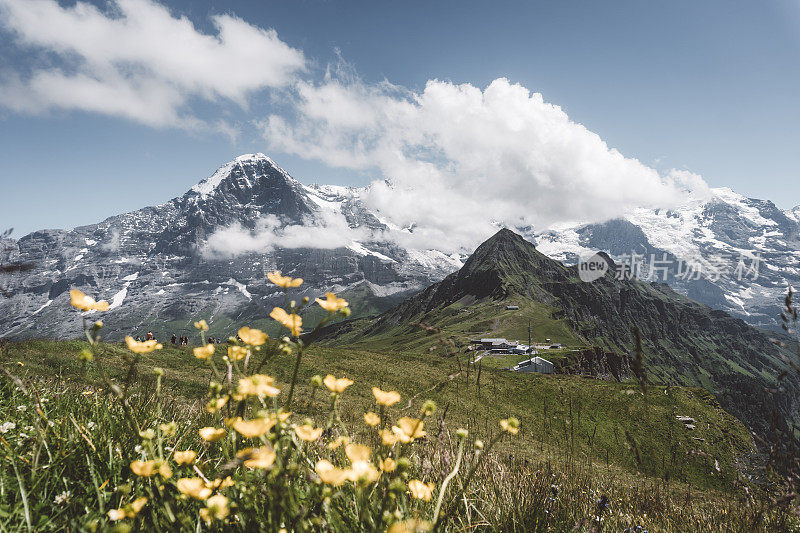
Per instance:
{"type": "Point", "coordinates": [512, 308]}
{"type": "Point", "coordinates": [535, 364]}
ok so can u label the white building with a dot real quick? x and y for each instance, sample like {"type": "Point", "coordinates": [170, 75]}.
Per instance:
{"type": "Point", "coordinates": [536, 364]}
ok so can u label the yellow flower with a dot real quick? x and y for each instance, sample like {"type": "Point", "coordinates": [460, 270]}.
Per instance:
{"type": "Point", "coordinates": [308, 433]}
{"type": "Point", "coordinates": [253, 337]}
{"type": "Point", "coordinates": [330, 474]}
{"type": "Point", "coordinates": [237, 353]}
{"type": "Point", "coordinates": [413, 525]}
{"type": "Point", "coordinates": [284, 282]}
{"type": "Point", "coordinates": [510, 425]}
{"type": "Point", "coordinates": [216, 508]}
{"type": "Point", "coordinates": [142, 347]}
{"type": "Point", "coordinates": [331, 303]}
{"type": "Point", "coordinates": [357, 452]}
{"type": "Point", "coordinates": [221, 483]}
{"type": "Point", "coordinates": [204, 352]}
{"type": "Point", "coordinates": [291, 321]}
{"type": "Point", "coordinates": [371, 419]}
{"type": "Point", "coordinates": [258, 385]}
{"type": "Point", "coordinates": [194, 487]}
{"type": "Point", "coordinates": [388, 464]}
{"type": "Point", "coordinates": [185, 458]}
{"type": "Point", "coordinates": [211, 434]}
{"type": "Point", "coordinates": [336, 385]}
{"type": "Point", "coordinates": [338, 442]}
{"type": "Point", "coordinates": [408, 429]}
{"type": "Point", "coordinates": [216, 404]}
{"type": "Point", "coordinates": [389, 438]}
{"type": "Point", "coordinates": [262, 457]}
{"type": "Point", "coordinates": [385, 398]}
{"type": "Point", "coordinates": [129, 511]}
{"type": "Point", "coordinates": [420, 490]}
{"type": "Point", "coordinates": [363, 472]}
{"type": "Point", "coordinates": [86, 303]}
{"type": "Point", "coordinates": [165, 471]}
{"type": "Point", "coordinates": [144, 468]}
{"type": "Point", "coordinates": [202, 325]}
{"type": "Point", "coordinates": [253, 428]}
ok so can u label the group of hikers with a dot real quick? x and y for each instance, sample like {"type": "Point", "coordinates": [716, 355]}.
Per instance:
{"type": "Point", "coordinates": [176, 340]}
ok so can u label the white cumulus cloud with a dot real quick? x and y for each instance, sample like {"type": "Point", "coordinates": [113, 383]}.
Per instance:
{"type": "Point", "coordinates": [459, 161]}
{"type": "Point", "coordinates": [137, 60]}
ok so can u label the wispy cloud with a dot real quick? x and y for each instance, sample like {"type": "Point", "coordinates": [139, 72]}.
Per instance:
{"type": "Point", "coordinates": [137, 60]}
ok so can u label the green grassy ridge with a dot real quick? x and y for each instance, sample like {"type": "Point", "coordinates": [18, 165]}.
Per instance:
{"type": "Point", "coordinates": [684, 342]}
{"type": "Point", "coordinates": [562, 415]}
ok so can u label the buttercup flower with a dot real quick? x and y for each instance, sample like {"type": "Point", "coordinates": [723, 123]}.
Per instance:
{"type": "Point", "coordinates": [211, 434]}
{"type": "Point", "coordinates": [308, 433]}
{"type": "Point", "coordinates": [357, 452]}
{"type": "Point", "coordinates": [194, 487]}
{"type": "Point", "coordinates": [216, 508]}
{"type": "Point", "coordinates": [253, 428]}
{"type": "Point", "coordinates": [284, 282]}
{"type": "Point", "coordinates": [331, 303]}
{"type": "Point", "coordinates": [185, 458]}
{"type": "Point", "coordinates": [363, 472]}
{"type": "Point", "coordinates": [258, 385]}
{"type": "Point", "coordinates": [262, 457]}
{"type": "Point", "coordinates": [388, 464]}
{"type": "Point", "coordinates": [420, 490]}
{"type": "Point", "coordinates": [385, 398]}
{"type": "Point", "coordinates": [237, 353]}
{"type": "Point", "coordinates": [129, 511]}
{"type": "Point", "coordinates": [510, 425]}
{"type": "Point", "coordinates": [371, 419]}
{"type": "Point", "coordinates": [414, 525]}
{"type": "Point", "coordinates": [216, 404]}
{"type": "Point", "coordinates": [337, 385]}
{"type": "Point", "coordinates": [202, 325]}
{"type": "Point", "coordinates": [253, 337]}
{"type": "Point", "coordinates": [408, 429]}
{"type": "Point", "coordinates": [204, 352]}
{"type": "Point", "coordinates": [142, 347]}
{"type": "Point", "coordinates": [144, 468]}
{"type": "Point", "coordinates": [330, 474]}
{"type": "Point", "coordinates": [389, 438]}
{"type": "Point", "coordinates": [338, 442]}
{"type": "Point", "coordinates": [291, 321]}
{"type": "Point", "coordinates": [86, 303]}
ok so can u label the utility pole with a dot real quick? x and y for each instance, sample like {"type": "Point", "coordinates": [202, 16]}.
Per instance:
{"type": "Point", "coordinates": [529, 333]}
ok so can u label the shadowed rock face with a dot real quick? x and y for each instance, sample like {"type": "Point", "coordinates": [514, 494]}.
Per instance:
{"type": "Point", "coordinates": [685, 342]}
{"type": "Point", "coordinates": [149, 263]}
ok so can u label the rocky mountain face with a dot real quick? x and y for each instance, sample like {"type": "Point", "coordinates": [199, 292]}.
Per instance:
{"type": "Point", "coordinates": [153, 265]}
{"type": "Point", "coordinates": [732, 253]}
{"type": "Point", "coordinates": [684, 342]}
{"type": "Point", "coordinates": [157, 269]}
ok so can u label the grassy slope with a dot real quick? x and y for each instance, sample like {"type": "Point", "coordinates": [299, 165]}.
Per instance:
{"type": "Point", "coordinates": [565, 417]}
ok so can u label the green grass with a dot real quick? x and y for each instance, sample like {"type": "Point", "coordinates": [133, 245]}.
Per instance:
{"type": "Point", "coordinates": [584, 417]}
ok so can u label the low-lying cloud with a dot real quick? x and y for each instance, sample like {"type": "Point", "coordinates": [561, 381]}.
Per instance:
{"type": "Point", "coordinates": [136, 60]}
{"type": "Point", "coordinates": [327, 232]}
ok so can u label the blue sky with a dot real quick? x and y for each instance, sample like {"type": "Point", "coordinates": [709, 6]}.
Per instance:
{"type": "Point", "coordinates": [705, 86]}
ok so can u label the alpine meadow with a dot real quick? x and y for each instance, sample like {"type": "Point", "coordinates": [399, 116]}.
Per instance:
{"type": "Point", "coordinates": [571, 196]}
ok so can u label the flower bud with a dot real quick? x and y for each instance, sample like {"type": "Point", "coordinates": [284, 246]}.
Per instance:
{"type": "Point", "coordinates": [316, 381]}
{"type": "Point", "coordinates": [305, 300]}
{"type": "Point", "coordinates": [428, 407]}
{"type": "Point", "coordinates": [345, 312]}
{"type": "Point", "coordinates": [462, 433]}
